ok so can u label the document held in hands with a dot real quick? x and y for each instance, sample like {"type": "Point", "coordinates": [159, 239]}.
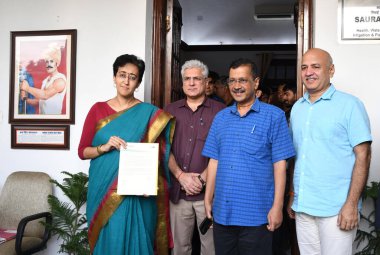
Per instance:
{"type": "Point", "coordinates": [138, 169]}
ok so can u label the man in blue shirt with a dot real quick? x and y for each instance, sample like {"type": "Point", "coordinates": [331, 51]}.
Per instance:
{"type": "Point", "coordinates": [331, 135]}
{"type": "Point", "coordinates": [248, 145]}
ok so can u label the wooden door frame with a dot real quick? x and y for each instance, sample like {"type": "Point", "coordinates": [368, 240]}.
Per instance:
{"type": "Point", "coordinates": [305, 38]}
{"type": "Point", "coordinates": [161, 69]}
{"type": "Point", "coordinates": [158, 52]}
{"type": "Point", "coordinates": [168, 53]}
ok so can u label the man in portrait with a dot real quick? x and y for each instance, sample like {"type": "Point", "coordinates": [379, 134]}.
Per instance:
{"type": "Point", "coordinates": [53, 88]}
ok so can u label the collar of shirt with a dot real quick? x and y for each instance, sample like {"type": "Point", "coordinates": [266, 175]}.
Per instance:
{"type": "Point", "coordinates": [325, 96]}
{"type": "Point", "coordinates": [254, 107]}
{"type": "Point", "coordinates": [205, 103]}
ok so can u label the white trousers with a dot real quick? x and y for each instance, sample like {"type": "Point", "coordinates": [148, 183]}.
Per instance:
{"type": "Point", "coordinates": [322, 236]}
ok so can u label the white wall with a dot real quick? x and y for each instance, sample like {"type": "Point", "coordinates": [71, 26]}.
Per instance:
{"type": "Point", "coordinates": [106, 29]}
{"type": "Point", "coordinates": [356, 69]}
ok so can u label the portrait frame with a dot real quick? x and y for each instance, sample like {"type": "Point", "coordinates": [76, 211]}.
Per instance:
{"type": "Point", "coordinates": [46, 62]}
{"type": "Point", "coordinates": [40, 137]}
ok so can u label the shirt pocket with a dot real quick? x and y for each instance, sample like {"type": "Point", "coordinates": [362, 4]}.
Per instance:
{"type": "Point", "coordinates": [255, 145]}
{"type": "Point", "coordinates": [203, 129]}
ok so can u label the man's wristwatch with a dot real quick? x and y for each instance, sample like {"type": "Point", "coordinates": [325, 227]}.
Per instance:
{"type": "Point", "coordinates": [202, 181]}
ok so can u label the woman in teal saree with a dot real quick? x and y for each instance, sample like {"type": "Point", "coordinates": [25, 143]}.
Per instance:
{"type": "Point", "coordinates": [125, 224]}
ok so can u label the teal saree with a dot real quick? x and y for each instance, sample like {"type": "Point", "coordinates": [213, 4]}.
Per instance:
{"type": "Point", "coordinates": [129, 224]}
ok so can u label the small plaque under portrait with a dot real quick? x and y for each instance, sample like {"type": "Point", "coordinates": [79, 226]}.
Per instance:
{"type": "Point", "coordinates": [40, 137]}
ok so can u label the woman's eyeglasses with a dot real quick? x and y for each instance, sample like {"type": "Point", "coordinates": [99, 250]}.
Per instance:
{"type": "Point", "coordinates": [130, 76]}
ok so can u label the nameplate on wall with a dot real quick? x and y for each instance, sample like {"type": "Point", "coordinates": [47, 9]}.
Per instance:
{"type": "Point", "coordinates": [359, 20]}
{"type": "Point", "coordinates": [40, 137]}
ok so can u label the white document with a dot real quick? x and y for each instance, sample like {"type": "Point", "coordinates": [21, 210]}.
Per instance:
{"type": "Point", "coordinates": [138, 169]}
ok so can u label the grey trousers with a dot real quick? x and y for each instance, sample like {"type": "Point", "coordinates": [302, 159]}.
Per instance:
{"type": "Point", "coordinates": [182, 217]}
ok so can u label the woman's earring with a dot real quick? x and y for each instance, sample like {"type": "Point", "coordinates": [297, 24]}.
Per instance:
{"type": "Point", "coordinates": [114, 85]}
{"type": "Point", "coordinates": [137, 89]}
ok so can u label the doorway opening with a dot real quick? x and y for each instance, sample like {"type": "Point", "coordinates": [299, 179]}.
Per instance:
{"type": "Point", "coordinates": [169, 50]}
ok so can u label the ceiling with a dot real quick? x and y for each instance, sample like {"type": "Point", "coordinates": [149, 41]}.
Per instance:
{"type": "Point", "coordinates": [231, 22]}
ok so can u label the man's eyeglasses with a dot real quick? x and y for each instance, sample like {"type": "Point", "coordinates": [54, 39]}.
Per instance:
{"type": "Point", "coordinates": [195, 79]}
{"type": "Point", "coordinates": [130, 76]}
{"type": "Point", "coordinates": [241, 81]}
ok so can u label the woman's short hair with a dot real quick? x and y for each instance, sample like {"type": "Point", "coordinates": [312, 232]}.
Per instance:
{"type": "Point", "coordinates": [122, 60]}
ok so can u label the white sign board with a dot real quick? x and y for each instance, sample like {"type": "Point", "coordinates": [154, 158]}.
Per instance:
{"type": "Point", "coordinates": [360, 20]}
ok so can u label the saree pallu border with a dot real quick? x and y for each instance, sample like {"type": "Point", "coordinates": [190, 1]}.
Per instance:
{"type": "Point", "coordinates": [164, 239]}
{"type": "Point", "coordinates": [159, 122]}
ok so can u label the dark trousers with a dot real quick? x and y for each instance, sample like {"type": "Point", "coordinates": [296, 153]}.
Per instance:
{"type": "Point", "coordinates": [282, 235]}
{"type": "Point", "coordinates": [285, 238]}
{"type": "Point", "coordinates": [239, 240]}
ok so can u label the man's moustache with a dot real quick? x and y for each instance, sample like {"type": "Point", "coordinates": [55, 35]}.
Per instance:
{"type": "Point", "coordinates": [240, 90]}
{"type": "Point", "coordinates": [49, 67]}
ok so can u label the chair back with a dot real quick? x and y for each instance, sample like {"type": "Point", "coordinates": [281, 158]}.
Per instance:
{"type": "Point", "coordinates": [24, 194]}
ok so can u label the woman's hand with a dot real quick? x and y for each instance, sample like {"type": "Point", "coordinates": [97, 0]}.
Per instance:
{"type": "Point", "coordinates": [114, 142]}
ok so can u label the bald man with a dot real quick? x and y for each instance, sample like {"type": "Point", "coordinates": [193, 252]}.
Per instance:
{"type": "Point", "coordinates": [332, 138]}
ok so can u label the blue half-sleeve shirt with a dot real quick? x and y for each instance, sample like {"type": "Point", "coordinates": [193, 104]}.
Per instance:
{"type": "Point", "coordinates": [325, 133]}
{"type": "Point", "coordinates": [246, 148]}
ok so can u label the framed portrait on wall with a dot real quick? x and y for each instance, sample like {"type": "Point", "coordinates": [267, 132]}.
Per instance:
{"type": "Point", "coordinates": [42, 78]}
